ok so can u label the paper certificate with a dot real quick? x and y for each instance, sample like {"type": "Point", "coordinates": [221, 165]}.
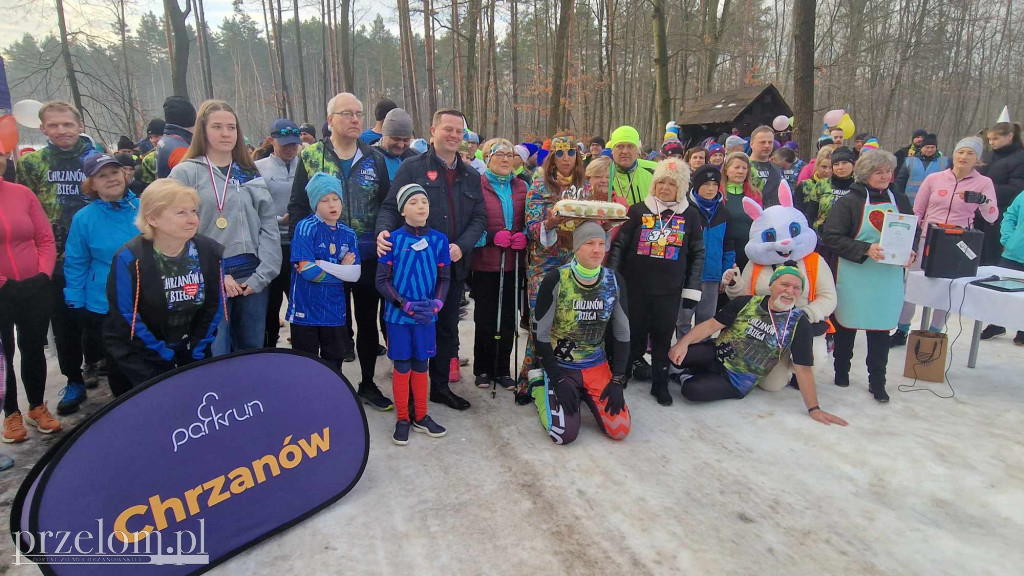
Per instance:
{"type": "Point", "coordinates": [897, 238]}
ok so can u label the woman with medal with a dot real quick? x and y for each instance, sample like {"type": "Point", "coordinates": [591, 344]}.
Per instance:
{"type": "Point", "coordinates": [754, 334]}
{"type": "Point", "coordinates": [660, 253]}
{"type": "Point", "coordinates": [236, 210]}
{"type": "Point", "coordinates": [550, 236]}
{"type": "Point", "coordinates": [870, 293]}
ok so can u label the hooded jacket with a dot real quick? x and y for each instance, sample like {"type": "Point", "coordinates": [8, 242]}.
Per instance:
{"type": "Point", "coordinates": [174, 138]}
{"type": "Point", "coordinates": [940, 200]}
{"type": "Point", "coordinates": [279, 177]}
{"type": "Point", "coordinates": [98, 231]}
{"type": "Point", "coordinates": [1006, 170]}
{"type": "Point", "coordinates": [633, 184]}
{"type": "Point", "coordinates": [55, 176]}
{"type": "Point", "coordinates": [460, 215]}
{"type": "Point", "coordinates": [133, 331]}
{"type": "Point", "coordinates": [249, 210]}
{"type": "Point", "coordinates": [655, 268]}
{"type": "Point", "coordinates": [25, 235]}
{"type": "Point", "coordinates": [1012, 229]}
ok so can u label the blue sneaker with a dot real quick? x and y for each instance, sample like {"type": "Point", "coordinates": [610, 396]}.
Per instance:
{"type": "Point", "coordinates": [5, 461]}
{"type": "Point", "coordinates": [72, 397]}
{"type": "Point", "coordinates": [429, 427]}
{"type": "Point", "coordinates": [401, 435]}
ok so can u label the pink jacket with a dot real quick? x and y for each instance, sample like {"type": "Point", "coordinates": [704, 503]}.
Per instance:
{"type": "Point", "coordinates": [940, 199]}
{"type": "Point", "coordinates": [807, 172]}
{"type": "Point", "coordinates": [26, 238]}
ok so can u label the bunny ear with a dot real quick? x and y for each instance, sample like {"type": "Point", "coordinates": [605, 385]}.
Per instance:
{"type": "Point", "coordinates": [785, 194]}
{"type": "Point", "coordinates": [752, 208]}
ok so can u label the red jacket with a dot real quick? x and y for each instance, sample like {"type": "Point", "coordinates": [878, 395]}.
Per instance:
{"type": "Point", "coordinates": [26, 237]}
{"type": "Point", "coordinates": [487, 258]}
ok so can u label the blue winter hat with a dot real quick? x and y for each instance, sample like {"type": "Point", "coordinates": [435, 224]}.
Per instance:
{"type": "Point", "coordinates": [542, 155]}
{"type": "Point", "coordinates": [471, 136]}
{"type": "Point", "coordinates": [320, 185]}
{"type": "Point", "coordinates": [531, 148]}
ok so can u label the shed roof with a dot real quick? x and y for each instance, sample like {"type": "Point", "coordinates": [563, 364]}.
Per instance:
{"type": "Point", "coordinates": [727, 106]}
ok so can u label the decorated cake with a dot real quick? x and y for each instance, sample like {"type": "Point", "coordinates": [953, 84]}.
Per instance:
{"type": "Point", "coordinates": [590, 209]}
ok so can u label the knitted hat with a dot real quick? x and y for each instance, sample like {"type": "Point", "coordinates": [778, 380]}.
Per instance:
{"type": "Point", "coordinates": [155, 127]}
{"type": "Point", "coordinates": [522, 151]}
{"type": "Point", "coordinates": [715, 149]}
{"type": "Point", "coordinates": [673, 169]}
{"type": "Point", "coordinates": [871, 143]}
{"type": "Point", "coordinates": [792, 145]}
{"type": "Point", "coordinates": [531, 148]}
{"type": "Point", "coordinates": [843, 154]}
{"type": "Point", "coordinates": [930, 140]}
{"type": "Point", "coordinates": [471, 136]}
{"type": "Point", "coordinates": [673, 146]}
{"type": "Point", "coordinates": [125, 160]}
{"type": "Point", "coordinates": [308, 128]}
{"type": "Point", "coordinates": [624, 134]}
{"type": "Point", "coordinates": [734, 141]}
{"type": "Point", "coordinates": [824, 140]}
{"type": "Point", "coordinates": [320, 185]}
{"type": "Point", "coordinates": [397, 124]}
{"type": "Point", "coordinates": [419, 145]}
{"type": "Point", "coordinates": [786, 269]}
{"type": "Point", "coordinates": [585, 232]}
{"type": "Point", "coordinates": [972, 142]}
{"type": "Point", "coordinates": [125, 143]}
{"type": "Point", "coordinates": [920, 133]}
{"type": "Point", "coordinates": [541, 156]}
{"type": "Point", "coordinates": [407, 192]}
{"type": "Point", "coordinates": [178, 110]}
{"type": "Point", "coordinates": [706, 173]}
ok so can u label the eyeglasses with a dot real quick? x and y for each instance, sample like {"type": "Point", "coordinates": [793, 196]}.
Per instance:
{"type": "Point", "coordinates": [502, 156]}
{"type": "Point", "coordinates": [348, 114]}
{"type": "Point", "coordinates": [285, 132]}
{"type": "Point", "coordinates": [570, 151]}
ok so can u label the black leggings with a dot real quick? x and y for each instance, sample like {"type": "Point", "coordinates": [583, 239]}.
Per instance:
{"type": "Point", "coordinates": [878, 352]}
{"type": "Point", "coordinates": [654, 316]}
{"type": "Point", "coordinates": [30, 312]}
{"type": "Point", "coordinates": [709, 381]}
{"type": "Point", "coordinates": [485, 317]}
{"type": "Point", "coordinates": [366, 303]}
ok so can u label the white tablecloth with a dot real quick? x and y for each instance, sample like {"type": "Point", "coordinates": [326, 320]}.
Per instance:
{"type": "Point", "coordinates": [991, 306]}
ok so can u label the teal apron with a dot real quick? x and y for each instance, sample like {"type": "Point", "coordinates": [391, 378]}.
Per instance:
{"type": "Point", "coordinates": [870, 295]}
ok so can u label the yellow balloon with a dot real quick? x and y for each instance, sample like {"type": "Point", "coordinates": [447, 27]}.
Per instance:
{"type": "Point", "coordinates": [847, 126]}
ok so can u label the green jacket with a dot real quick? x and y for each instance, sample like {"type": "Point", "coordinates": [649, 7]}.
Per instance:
{"type": "Point", "coordinates": [148, 172]}
{"type": "Point", "coordinates": [635, 184]}
{"type": "Point", "coordinates": [55, 176]}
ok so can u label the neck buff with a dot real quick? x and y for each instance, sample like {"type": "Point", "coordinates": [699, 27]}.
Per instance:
{"type": "Point", "coordinates": [563, 180]}
{"type": "Point", "coordinates": [707, 207]}
{"type": "Point", "coordinates": [585, 273]}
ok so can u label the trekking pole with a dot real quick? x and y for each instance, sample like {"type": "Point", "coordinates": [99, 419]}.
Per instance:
{"type": "Point", "coordinates": [497, 332]}
{"type": "Point", "coordinates": [515, 321]}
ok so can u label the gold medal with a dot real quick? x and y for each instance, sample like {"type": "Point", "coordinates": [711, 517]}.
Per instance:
{"type": "Point", "coordinates": [663, 241]}
{"type": "Point", "coordinates": [333, 248]}
{"type": "Point", "coordinates": [222, 222]}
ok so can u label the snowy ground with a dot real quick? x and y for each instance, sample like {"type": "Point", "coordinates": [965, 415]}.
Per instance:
{"type": "Point", "coordinates": [922, 485]}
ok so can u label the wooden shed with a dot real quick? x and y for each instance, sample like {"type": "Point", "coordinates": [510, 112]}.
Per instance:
{"type": "Point", "coordinates": [718, 113]}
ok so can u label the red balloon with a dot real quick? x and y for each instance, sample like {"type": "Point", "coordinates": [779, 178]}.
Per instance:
{"type": "Point", "coordinates": [8, 134]}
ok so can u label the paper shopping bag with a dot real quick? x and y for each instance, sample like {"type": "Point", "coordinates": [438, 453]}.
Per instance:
{"type": "Point", "coordinates": [926, 356]}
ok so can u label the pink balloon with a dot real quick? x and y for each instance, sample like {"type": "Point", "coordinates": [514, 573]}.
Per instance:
{"type": "Point", "coordinates": [8, 134]}
{"type": "Point", "coordinates": [833, 117]}
{"type": "Point", "coordinates": [780, 123]}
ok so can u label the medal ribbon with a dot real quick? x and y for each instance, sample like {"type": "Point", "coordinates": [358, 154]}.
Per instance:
{"type": "Point", "coordinates": [779, 338]}
{"type": "Point", "coordinates": [223, 195]}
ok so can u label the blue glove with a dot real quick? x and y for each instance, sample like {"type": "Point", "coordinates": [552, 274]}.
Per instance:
{"type": "Point", "coordinates": [423, 311]}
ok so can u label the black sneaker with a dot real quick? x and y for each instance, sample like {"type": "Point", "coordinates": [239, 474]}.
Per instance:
{"type": "Point", "coordinates": [991, 331]}
{"type": "Point", "coordinates": [897, 339]}
{"type": "Point", "coordinates": [401, 435]}
{"type": "Point", "coordinates": [350, 353]}
{"type": "Point", "coordinates": [1019, 338]}
{"type": "Point", "coordinates": [793, 383]}
{"type": "Point", "coordinates": [483, 381]}
{"type": "Point", "coordinates": [660, 392]}
{"type": "Point", "coordinates": [429, 427]}
{"type": "Point", "coordinates": [381, 350]}
{"type": "Point", "coordinates": [641, 369]}
{"type": "Point", "coordinates": [370, 394]}
{"type": "Point", "coordinates": [91, 375]}
{"type": "Point", "coordinates": [506, 382]}
{"type": "Point", "coordinates": [878, 391]}
{"type": "Point", "coordinates": [842, 379]}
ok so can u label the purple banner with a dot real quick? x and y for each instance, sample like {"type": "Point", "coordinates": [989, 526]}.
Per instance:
{"type": "Point", "coordinates": [195, 467]}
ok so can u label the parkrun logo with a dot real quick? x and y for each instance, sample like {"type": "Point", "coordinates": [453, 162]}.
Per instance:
{"type": "Point", "coordinates": [207, 414]}
{"type": "Point", "coordinates": [87, 547]}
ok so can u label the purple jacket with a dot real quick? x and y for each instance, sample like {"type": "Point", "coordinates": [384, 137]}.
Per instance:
{"type": "Point", "coordinates": [487, 258]}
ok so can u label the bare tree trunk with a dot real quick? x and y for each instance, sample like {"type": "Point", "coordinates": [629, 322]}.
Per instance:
{"type": "Point", "coordinates": [610, 58]}
{"type": "Point", "coordinates": [203, 54]}
{"type": "Point", "coordinates": [298, 55]}
{"type": "Point", "coordinates": [286, 101]}
{"type": "Point", "coordinates": [460, 86]}
{"type": "Point", "coordinates": [346, 47]}
{"type": "Point", "coordinates": [428, 41]}
{"type": "Point", "coordinates": [492, 66]}
{"type": "Point", "coordinates": [270, 56]}
{"type": "Point", "coordinates": [129, 89]}
{"type": "Point", "coordinates": [179, 71]}
{"type": "Point", "coordinates": [472, 15]}
{"type": "Point", "coordinates": [406, 40]}
{"type": "Point", "coordinates": [514, 48]}
{"type": "Point", "coordinates": [663, 96]}
{"type": "Point", "coordinates": [803, 72]}
{"type": "Point", "coordinates": [560, 61]}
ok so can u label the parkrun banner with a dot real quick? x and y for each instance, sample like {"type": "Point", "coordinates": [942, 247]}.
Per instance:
{"type": "Point", "coordinates": [193, 467]}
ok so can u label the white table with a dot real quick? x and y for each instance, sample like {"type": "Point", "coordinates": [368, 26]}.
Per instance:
{"type": "Point", "coordinates": [958, 296]}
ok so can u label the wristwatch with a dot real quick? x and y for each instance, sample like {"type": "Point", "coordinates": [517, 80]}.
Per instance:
{"type": "Point", "coordinates": [813, 408]}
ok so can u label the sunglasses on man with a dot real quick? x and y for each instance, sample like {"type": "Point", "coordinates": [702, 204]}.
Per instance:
{"type": "Point", "coordinates": [285, 132]}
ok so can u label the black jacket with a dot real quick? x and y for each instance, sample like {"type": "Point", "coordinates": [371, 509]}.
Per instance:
{"type": "Point", "coordinates": [1006, 170]}
{"type": "Point", "coordinates": [844, 221]}
{"type": "Point", "coordinates": [461, 215]}
{"type": "Point", "coordinates": [146, 353]}
{"type": "Point", "coordinates": [653, 275]}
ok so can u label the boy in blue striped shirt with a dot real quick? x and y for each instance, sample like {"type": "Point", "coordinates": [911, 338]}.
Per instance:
{"type": "Point", "coordinates": [324, 256]}
{"type": "Point", "coordinates": [413, 278]}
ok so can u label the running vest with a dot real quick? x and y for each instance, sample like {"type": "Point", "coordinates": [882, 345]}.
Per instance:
{"type": "Point", "coordinates": [810, 267]}
{"type": "Point", "coordinates": [582, 314]}
{"type": "Point", "coordinates": [749, 349]}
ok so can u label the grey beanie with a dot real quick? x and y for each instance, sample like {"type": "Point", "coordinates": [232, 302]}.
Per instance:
{"type": "Point", "coordinates": [585, 232]}
{"type": "Point", "coordinates": [972, 142]}
{"type": "Point", "coordinates": [734, 141]}
{"type": "Point", "coordinates": [397, 124]}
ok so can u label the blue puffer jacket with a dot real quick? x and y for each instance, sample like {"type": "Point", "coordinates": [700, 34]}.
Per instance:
{"type": "Point", "coordinates": [719, 252]}
{"type": "Point", "coordinates": [97, 232]}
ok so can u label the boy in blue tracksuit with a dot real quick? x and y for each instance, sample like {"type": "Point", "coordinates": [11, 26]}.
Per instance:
{"type": "Point", "coordinates": [413, 278]}
{"type": "Point", "coordinates": [324, 256]}
{"type": "Point", "coordinates": [719, 254]}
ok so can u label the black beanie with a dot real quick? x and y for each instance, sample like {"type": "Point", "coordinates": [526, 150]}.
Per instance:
{"type": "Point", "coordinates": [930, 140]}
{"type": "Point", "coordinates": [178, 110]}
{"type": "Point", "coordinates": [844, 154]}
{"type": "Point", "coordinates": [125, 143]}
{"type": "Point", "coordinates": [704, 174]}
{"type": "Point", "coordinates": [156, 126]}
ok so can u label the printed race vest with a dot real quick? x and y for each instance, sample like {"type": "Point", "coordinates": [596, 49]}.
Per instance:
{"type": "Point", "coordinates": [749, 349]}
{"type": "Point", "coordinates": [581, 315]}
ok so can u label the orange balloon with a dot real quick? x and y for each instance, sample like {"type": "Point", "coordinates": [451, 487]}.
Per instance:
{"type": "Point", "coordinates": [8, 134]}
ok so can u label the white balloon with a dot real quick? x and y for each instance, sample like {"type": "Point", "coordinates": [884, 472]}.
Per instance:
{"type": "Point", "coordinates": [26, 113]}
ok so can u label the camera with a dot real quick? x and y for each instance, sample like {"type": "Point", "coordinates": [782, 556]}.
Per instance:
{"type": "Point", "coordinates": [972, 197]}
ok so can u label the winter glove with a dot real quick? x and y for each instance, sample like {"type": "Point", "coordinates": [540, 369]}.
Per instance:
{"type": "Point", "coordinates": [438, 304]}
{"type": "Point", "coordinates": [613, 395]}
{"type": "Point", "coordinates": [518, 241]}
{"type": "Point", "coordinates": [407, 307]}
{"type": "Point", "coordinates": [503, 239]}
{"type": "Point", "coordinates": [423, 311]}
{"type": "Point", "coordinates": [568, 395]}
{"type": "Point", "coordinates": [689, 304]}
